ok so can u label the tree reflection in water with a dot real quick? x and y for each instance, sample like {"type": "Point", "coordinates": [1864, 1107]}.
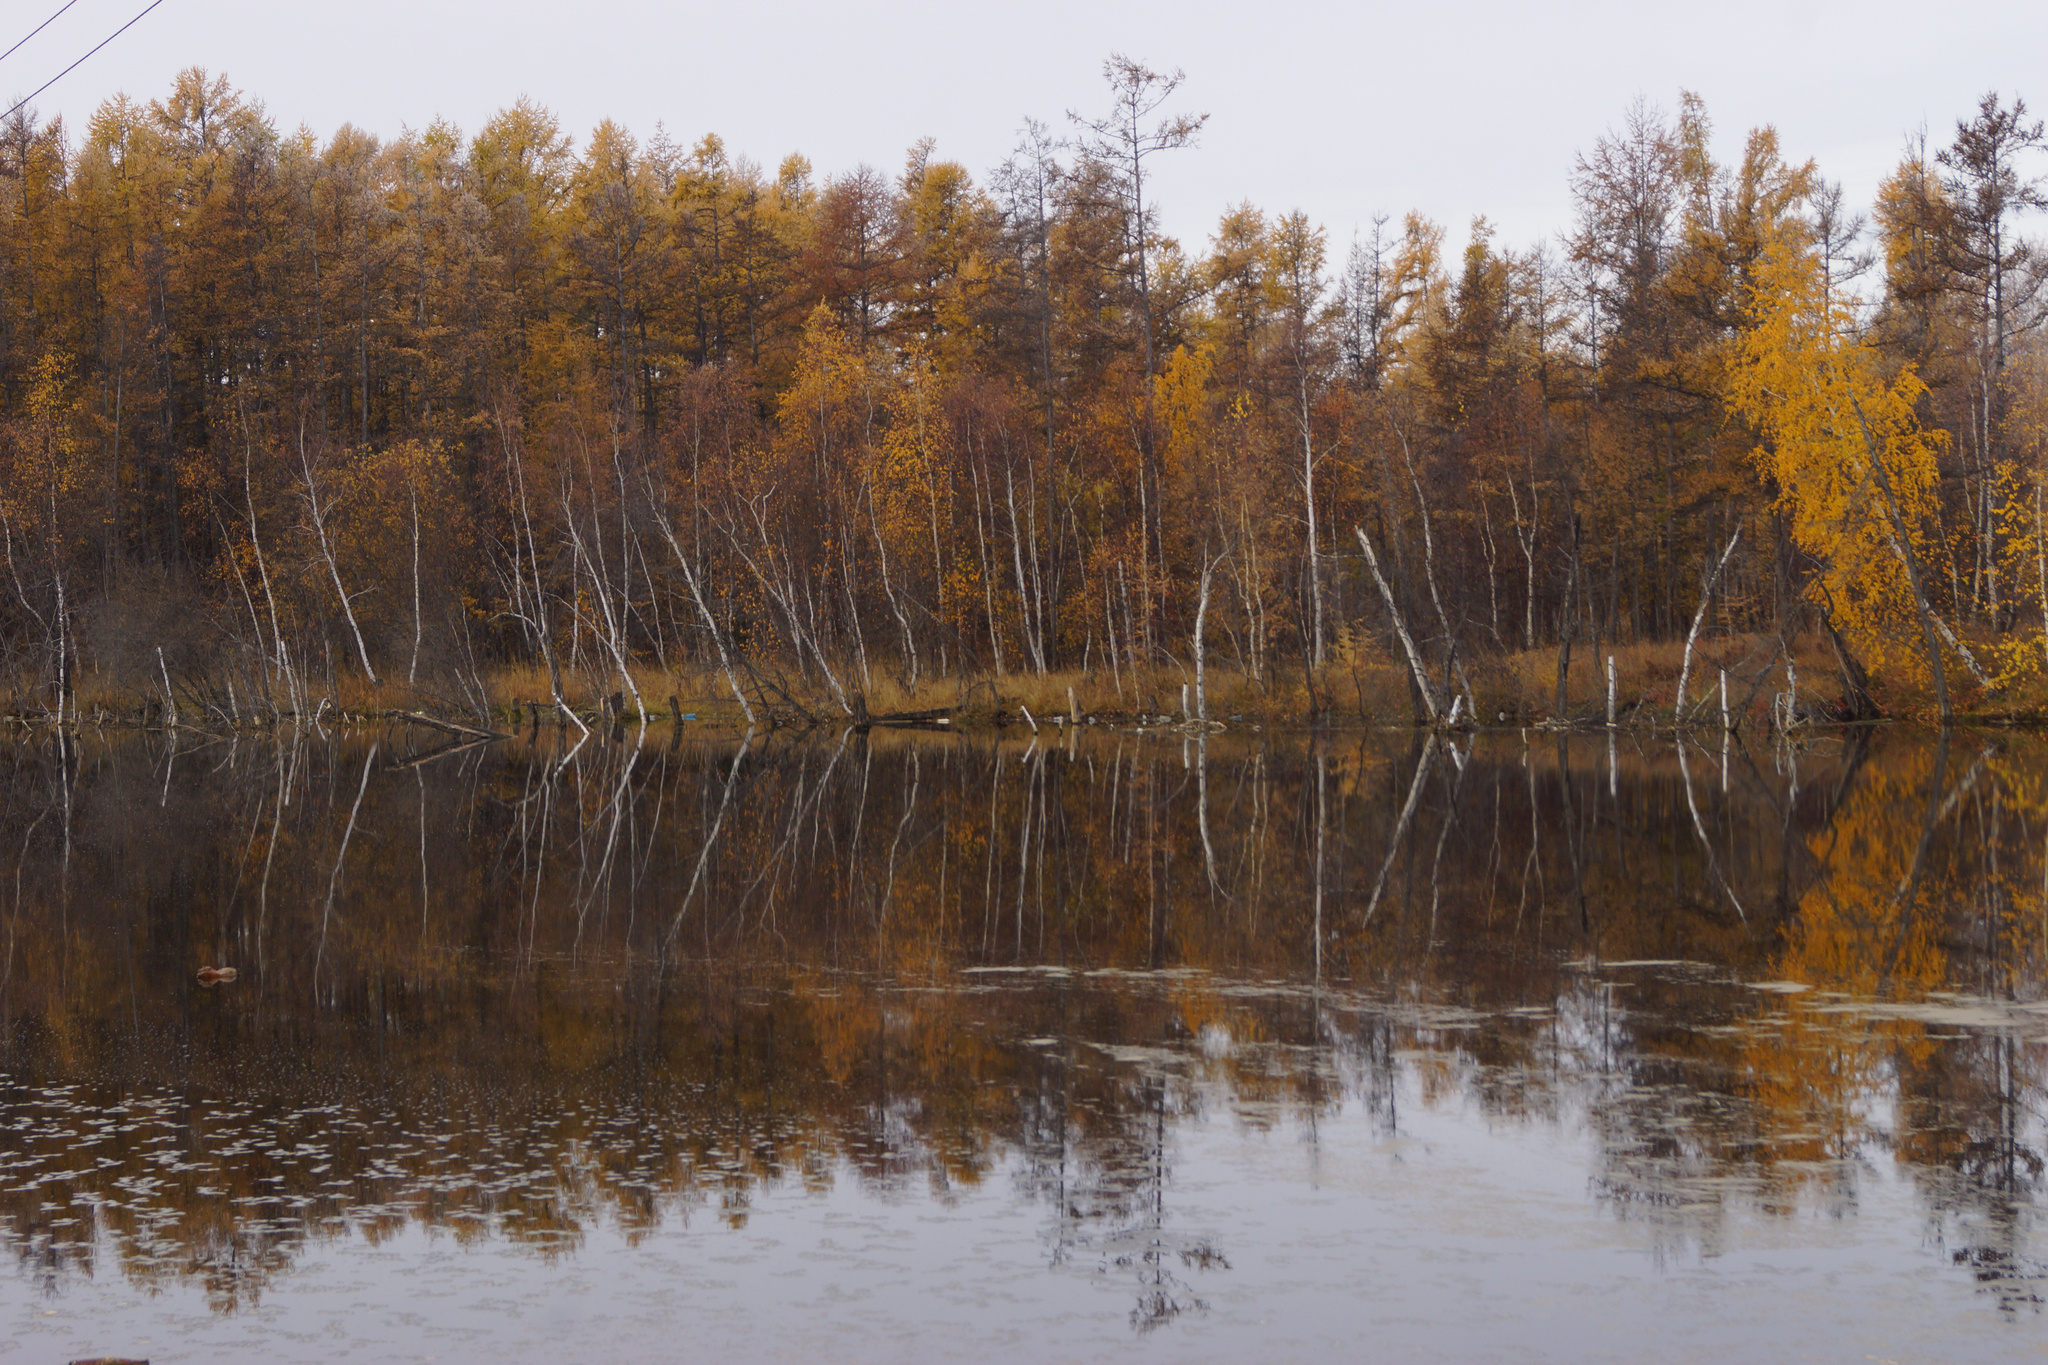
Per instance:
{"type": "Point", "coordinates": [520, 991]}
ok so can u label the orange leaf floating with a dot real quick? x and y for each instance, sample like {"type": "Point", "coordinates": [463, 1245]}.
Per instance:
{"type": "Point", "coordinates": [215, 976]}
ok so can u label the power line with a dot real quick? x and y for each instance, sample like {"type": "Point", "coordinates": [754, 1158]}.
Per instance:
{"type": "Point", "coordinates": [37, 29]}
{"type": "Point", "coordinates": [81, 61]}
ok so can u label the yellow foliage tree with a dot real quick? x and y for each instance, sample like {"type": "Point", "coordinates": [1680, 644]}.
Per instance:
{"type": "Point", "coordinates": [1853, 468]}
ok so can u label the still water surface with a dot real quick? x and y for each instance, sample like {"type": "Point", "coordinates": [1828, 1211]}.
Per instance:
{"type": "Point", "coordinates": [1110, 1048]}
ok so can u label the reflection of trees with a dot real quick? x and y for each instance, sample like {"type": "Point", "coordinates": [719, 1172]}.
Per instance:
{"type": "Point", "coordinates": [1973, 1109]}
{"type": "Point", "coordinates": [669, 1098]}
{"type": "Point", "coordinates": [624, 980]}
{"type": "Point", "coordinates": [1095, 1148]}
{"type": "Point", "coordinates": [1859, 931]}
{"type": "Point", "coordinates": [1912, 872]}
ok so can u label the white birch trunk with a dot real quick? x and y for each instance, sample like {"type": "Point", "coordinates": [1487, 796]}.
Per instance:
{"type": "Point", "coordinates": [1400, 626]}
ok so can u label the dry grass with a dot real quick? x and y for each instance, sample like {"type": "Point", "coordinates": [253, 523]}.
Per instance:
{"type": "Point", "coordinates": [1360, 684]}
{"type": "Point", "coordinates": [1524, 684]}
{"type": "Point", "coordinates": [1097, 692]}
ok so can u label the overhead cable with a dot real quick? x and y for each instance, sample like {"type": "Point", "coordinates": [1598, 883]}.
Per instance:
{"type": "Point", "coordinates": [37, 29]}
{"type": "Point", "coordinates": [81, 61]}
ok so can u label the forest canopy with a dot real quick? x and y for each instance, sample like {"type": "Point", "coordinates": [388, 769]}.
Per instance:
{"type": "Point", "coordinates": [277, 408]}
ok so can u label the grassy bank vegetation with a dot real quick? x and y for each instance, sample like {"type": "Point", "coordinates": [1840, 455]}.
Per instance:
{"type": "Point", "coordinates": [1361, 685]}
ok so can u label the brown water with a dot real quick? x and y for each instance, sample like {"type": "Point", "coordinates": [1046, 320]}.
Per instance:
{"type": "Point", "coordinates": [1107, 1047]}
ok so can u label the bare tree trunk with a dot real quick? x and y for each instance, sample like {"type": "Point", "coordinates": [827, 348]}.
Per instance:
{"type": "Point", "coordinates": [704, 614]}
{"type": "Point", "coordinates": [612, 634]}
{"type": "Point", "coordinates": [1201, 677]}
{"type": "Point", "coordinates": [327, 553]}
{"type": "Point", "coordinates": [539, 620]}
{"type": "Point", "coordinates": [170, 700]}
{"type": "Point", "coordinates": [412, 673]}
{"type": "Point", "coordinates": [1429, 569]}
{"type": "Point", "coordinates": [64, 688]}
{"type": "Point", "coordinates": [283, 655]}
{"type": "Point", "coordinates": [889, 591]}
{"type": "Point", "coordinates": [1568, 627]}
{"type": "Point", "coordinates": [1109, 630]}
{"type": "Point", "coordinates": [782, 591]}
{"type": "Point", "coordinates": [1026, 615]}
{"type": "Point", "coordinates": [1145, 599]}
{"type": "Point", "coordinates": [1400, 626]}
{"type": "Point", "coordinates": [988, 585]}
{"type": "Point", "coordinates": [1492, 572]}
{"type": "Point", "coordinates": [1527, 540]}
{"type": "Point", "coordinates": [1855, 678]}
{"type": "Point", "coordinates": [1315, 561]}
{"type": "Point", "coordinates": [1706, 596]}
{"type": "Point", "coordinates": [1038, 595]}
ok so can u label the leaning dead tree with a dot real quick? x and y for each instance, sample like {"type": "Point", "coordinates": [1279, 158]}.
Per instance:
{"type": "Point", "coordinates": [1436, 596]}
{"type": "Point", "coordinates": [1414, 656]}
{"type": "Point", "coordinates": [528, 596]}
{"type": "Point", "coordinates": [318, 512]}
{"type": "Point", "coordinates": [694, 581]}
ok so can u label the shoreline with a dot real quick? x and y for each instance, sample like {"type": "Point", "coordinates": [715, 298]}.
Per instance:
{"type": "Point", "coordinates": [1738, 683]}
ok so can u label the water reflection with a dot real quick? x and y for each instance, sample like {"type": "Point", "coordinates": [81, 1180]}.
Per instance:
{"type": "Point", "coordinates": [525, 992]}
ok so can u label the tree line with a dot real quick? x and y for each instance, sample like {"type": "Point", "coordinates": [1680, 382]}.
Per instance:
{"type": "Point", "coordinates": [275, 408]}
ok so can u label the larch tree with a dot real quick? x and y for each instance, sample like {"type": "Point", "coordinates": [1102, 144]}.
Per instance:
{"type": "Point", "coordinates": [1852, 465]}
{"type": "Point", "coordinates": [1993, 272]}
{"type": "Point", "coordinates": [1119, 144]}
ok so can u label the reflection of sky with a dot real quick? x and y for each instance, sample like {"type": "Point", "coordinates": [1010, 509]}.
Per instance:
{"type": "Point", "coordinates": [1457, 1236]}
{"type": "Point", "coordinates": [1492, 1139]}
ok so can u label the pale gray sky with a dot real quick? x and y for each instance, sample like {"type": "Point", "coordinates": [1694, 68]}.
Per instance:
{"type": "Point", "coordinates": [1341, 110]}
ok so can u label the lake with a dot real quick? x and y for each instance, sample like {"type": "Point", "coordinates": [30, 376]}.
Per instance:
{"type": "Point", "coordinates": [1083, 1046]}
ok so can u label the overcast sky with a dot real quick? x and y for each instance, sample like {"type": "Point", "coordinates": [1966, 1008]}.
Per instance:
{"type": "Point", "coordinates": [1343, 110]}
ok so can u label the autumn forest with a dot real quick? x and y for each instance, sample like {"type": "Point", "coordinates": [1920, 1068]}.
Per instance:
{"type": "Point", "coordinates": [281, 412]}
{"type": "Point", "coordinates": [477, 616]}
